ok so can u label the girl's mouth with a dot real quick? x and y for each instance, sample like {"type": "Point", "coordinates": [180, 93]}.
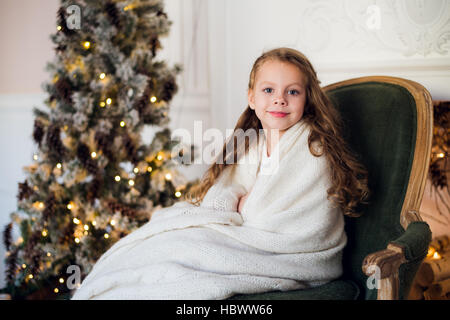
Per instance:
{"type": "Point", "coordinates": [278, 114]}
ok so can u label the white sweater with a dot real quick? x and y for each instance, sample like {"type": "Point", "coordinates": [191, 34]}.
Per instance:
{"type": "Point", "coordinates": [287, 237]}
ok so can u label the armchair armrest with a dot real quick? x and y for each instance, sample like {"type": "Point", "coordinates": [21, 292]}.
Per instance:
{"type": "Point", "coordinates": [412, 246]}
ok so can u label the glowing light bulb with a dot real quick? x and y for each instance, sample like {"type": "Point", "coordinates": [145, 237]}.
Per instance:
{"type": "Point", "coordinates": [168, 176]}
{"type": "Point", "coordinates": [94, 154]}
{"type": "Point", "coordinates": [149, 169]}
{"type": "Point", "coordinates": [70, 205]}
{"type": "Point", "coordinates": [102, 75]}
{"type": "Point", "coordinates": [117, 178]}
{"type": "Point", "coordinates": [77, 240]}
{"type": "Point", "coordinates": [436, 255]}
{"type": "Point", "coordinates": [86, 45]}
{"type": "Point", "coordinates": [102, 104]}
{"type": "Point", "coordinates": [108, 101]}
{"type": "Point", "coordinates": [113, 222]}
{"type": "Point", "coordinates": [94, 223]}
{"type": "Point", "coordinates": [24, 266]}
{"type": "Point", "coordinates": [122, 123]}
{"type": "Point", "coordinates": [440, 155]}
{"type": "Point", "coordinates": [131, 182]}
{"type": "Point", "coordinates": [30, 276]}
{"type": "Point", "coordinates": [56, 290]}
{"type": "Point", "coordinates": [58, 28]}
{"type": "Point", "coordinates": [106, 236]}
{"type": "Point", "coordinates": [44, 233]}
{"type": "Point", "coordinates": [76, 221]}
{"type": "Point", "coordinates": [58, 165]}
{"type": "Point", "coordinates": [61, 280]}
{"type": "Point", "coordinates": [86, 227]}
{"type": "Point", "coordinates": [135, 170]}
{"type": "Point", "coordinates": [178, 194]}
{"type": "Point", "coordinates": [35, 157]}
{"type": "Point", "coordinates": [38, 205]}
{"type": "Point", "coordinates": [49, 254]}
{"type": "Point", "coordinates": [153, 99]}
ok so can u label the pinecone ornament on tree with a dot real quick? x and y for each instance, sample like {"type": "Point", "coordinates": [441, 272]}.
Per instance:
{"type": "Point", "coordinates": [64, 89]}
{"type": "Point", "coordinates": [38, 132]}
{"type": "Point", "coordinates": [7, 238]}
{"type": "Point", "coordinates": [95, 188]}
{"type": "Point", "coordinates": [24, 191]}
{"type": "Point", "coordinates": [56, 148]}
{"type": "Point", "coordinates": [130, 148]}
{"type": "Point", "coordinates": [50, 207]}
{"type": "Point", "coordinates": [104, 144]}
{"type": "Point", "coordinates": [113, 14]}
{"type": "Point", "coordinates": [84, 155]}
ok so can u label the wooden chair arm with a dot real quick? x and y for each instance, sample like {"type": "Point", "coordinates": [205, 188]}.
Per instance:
{"type": "Point", "coordinates": [384, 265]}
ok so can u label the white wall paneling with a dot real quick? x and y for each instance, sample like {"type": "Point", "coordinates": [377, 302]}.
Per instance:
{"type": "Point", "coordinates": [187, 45]}
{"type": "Point", "coordinates": [16, 127]}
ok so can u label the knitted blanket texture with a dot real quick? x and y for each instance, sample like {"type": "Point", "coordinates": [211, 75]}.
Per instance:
{"type": "Point", "coordinates": [287, 237]}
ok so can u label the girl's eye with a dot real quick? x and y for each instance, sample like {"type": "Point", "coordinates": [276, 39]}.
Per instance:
{"type": "Point", "coordinates": [268, 90]}
{"type": "Point", "coordinates": [293, 92]}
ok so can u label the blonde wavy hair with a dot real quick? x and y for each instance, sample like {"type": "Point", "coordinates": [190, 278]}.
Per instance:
{"type": "Point", "coordinates": [349, 178]}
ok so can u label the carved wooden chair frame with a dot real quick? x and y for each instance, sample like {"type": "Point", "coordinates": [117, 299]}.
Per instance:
{"type": "Point", "coordinates": [389, 260]}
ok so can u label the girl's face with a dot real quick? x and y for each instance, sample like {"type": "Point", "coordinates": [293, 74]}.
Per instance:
{"type": "Point", "coordinates": [278, 96]}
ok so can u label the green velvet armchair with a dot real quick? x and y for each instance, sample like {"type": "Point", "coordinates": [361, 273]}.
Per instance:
{"type": "Point", "coordinates": [388, 121]}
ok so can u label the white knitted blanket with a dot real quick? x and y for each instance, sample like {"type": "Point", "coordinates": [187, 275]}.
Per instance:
{"type": "Point", "coordinates": [287, 237]}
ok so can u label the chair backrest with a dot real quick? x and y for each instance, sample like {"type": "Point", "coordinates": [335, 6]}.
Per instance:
{"type": "Point", "coordinates": [388, 123]}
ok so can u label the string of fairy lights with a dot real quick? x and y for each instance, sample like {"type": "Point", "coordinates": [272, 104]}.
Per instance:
{"type": "Point", "coordinates": [83, 228]}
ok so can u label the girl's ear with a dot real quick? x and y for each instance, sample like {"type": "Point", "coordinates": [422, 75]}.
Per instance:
{"type": "Point", "coordinates": [251, 99]}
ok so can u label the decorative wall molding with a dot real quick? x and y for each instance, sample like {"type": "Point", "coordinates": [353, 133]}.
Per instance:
{"type": "Point", "coordinates": [383, 29]}
{"type": "Point", "coordinates": [187, 45]}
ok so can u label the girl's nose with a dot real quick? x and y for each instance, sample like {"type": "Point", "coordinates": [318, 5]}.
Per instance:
{"type": "Point", "coordinates": [279, 102]}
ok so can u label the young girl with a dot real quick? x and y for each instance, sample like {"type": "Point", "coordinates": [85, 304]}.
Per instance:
{"type": "Point", "coordinates": [283, 80]}
{"type": "Point", "coordinates": [268, 215]}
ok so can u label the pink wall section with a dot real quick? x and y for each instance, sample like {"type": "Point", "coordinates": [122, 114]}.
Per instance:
{"type": "Point", "coordinates": [25, 26]}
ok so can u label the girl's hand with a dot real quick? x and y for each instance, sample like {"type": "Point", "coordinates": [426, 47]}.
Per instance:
{"type": "Point", "coordinates": [242, 201]}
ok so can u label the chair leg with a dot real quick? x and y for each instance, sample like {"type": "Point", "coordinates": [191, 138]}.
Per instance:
{"type": "Point", "coordinates": [389, 288]}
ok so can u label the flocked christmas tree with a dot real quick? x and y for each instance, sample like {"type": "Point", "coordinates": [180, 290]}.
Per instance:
{"type": "Point", "coordinates": [93, 180]}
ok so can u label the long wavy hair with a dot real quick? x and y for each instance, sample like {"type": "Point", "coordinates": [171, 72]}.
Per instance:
{"type": "Point", "coordinates": [349, 178]}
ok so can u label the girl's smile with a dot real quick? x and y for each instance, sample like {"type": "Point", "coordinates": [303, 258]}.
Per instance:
{"type": "Point", "coordinates": [278, 114]}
